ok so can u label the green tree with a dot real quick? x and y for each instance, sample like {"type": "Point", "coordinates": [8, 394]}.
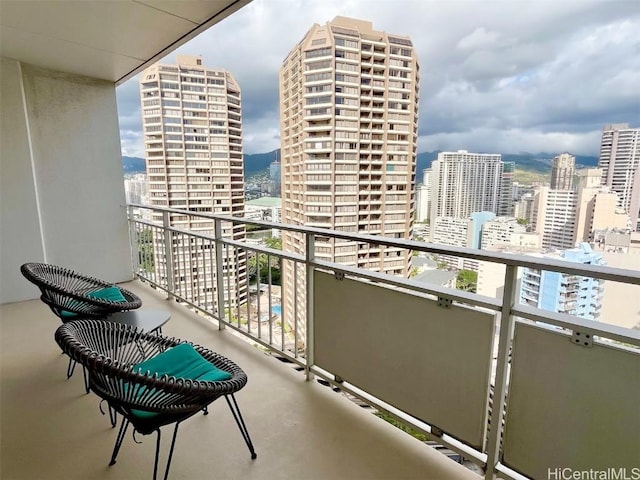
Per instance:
{"type": "Point", "coordinates": [467, 280]}
{"type": "Point", "coordinates": [273, 242]}
{"type": "Point", "coordinates": [259, 265]}
{"type": "Point", "coordinates": [522, 221]}
{"type": "Point", "coordinates": [144, 240]}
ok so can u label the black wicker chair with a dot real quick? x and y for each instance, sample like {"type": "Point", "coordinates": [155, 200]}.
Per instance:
{"type": "Point", "coordinates": [69, 293]}
{"type": "Point", "coordinates": [114, 354]}
{"type": "Point", "coordinates": [71, 296]}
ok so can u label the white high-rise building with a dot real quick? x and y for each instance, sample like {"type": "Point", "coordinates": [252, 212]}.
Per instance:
{"type": "Point", "coordinates": [500, 231]}
{"type": "Point", "coordinates": [192, 121]}
{"type": "Point", "coordinates": [136, 188]}
{"type": "Point", "coordinates": [563, 170]}
{"type": "Point", "coordinates": [422, 203]}
{"type": "Point", "coordinates": [423, 197]}
{"type": "Point", "coordinates": [620, 164]}
{"type": "Point", "coordinates": [463, 183]}
{"type": "Point", "coordinates": [348, 123]}
{"type": "Point", "coordinates": [554, 217]}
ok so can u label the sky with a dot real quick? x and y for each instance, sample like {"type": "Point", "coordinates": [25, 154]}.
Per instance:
{"type": "Point", "coordinates": [505, 76]}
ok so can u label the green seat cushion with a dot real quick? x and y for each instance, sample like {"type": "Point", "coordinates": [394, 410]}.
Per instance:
{"type": "Point", "coordinates": [65, 314]}
{"type": "Point", "coordinates": [181, 361]}
{"type": "Point", "coordinates": [112, 294]}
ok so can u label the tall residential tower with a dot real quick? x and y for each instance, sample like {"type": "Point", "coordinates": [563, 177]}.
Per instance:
{"type": "Point", "coordinates": [348, 123]}
{"type": "Point", "coordinates": [463, 183]}
{"type": "Point", "coordinates": [193, 147]}
{"type": "Point", "coordinates": [620, 164]}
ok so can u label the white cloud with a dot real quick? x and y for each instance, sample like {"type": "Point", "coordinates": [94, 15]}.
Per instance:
{"type": "Point", "coordinates": [479, 38]}
{"type": "Point", "coordinates": [502, 75]}
{"type": "Point", "coordinates": [513, 140]}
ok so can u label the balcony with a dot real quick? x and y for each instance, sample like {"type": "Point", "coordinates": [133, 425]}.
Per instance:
{"type": "Point", "coordinates": [292, 419]}
{"type": "Point", "coordinates": [381, 339]}
{"type": "Point", "coordinates": [300, 429]}
{"type": "Point", "coordinates": [427, 356]}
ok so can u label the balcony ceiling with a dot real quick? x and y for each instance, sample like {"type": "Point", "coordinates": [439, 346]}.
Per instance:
{"type": "Point", "coordinates": [110, 40]}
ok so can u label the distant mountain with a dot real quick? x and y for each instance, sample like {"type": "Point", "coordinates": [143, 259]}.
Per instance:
{"type": "Point", "coordinates": [132, 165]}
{"type": "Point", "coordinates": [586, 161]}
{"type": "Point", "coordinates": [259, 162]}
{"type": "Point", "coordinates": [423, 161]}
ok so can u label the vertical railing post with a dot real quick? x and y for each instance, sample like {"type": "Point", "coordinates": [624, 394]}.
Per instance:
{"type": "Point", "coordinates": [310, 247]}
{"type": "Point", "coordinates": [219, 274]}
{"type": "Point", "coordinates": [168, 254]}
{"type": "Point", "coordinates": [502, 368]}
{"type": "Point", "coordinates": [133, 242]}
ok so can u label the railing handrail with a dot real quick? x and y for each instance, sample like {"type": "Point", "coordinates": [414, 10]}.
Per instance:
{"type": "Point", "coordinates": [528, 261]}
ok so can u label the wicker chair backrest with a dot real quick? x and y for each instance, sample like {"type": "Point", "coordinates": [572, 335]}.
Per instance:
{"type": "Point", "coordinates": [111, 350]}
{"type": "Point", "coordinates": [65, 290]}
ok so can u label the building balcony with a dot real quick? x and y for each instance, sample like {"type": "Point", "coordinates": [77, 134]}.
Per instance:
{"type": "Point", "coordinates": [289, 419]}
{"type": "Point", "coordinates": [292, 419]}
{"type": "Point", "coordinates": [358, 347]}
{"type": "Point", "coordinates": [427, 356]}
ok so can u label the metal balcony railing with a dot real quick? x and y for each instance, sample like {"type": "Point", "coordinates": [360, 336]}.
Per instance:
{"type": "Point", "coordinates": [506, 385]}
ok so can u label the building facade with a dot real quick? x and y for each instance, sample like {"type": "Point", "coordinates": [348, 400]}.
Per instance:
{"type": "Point", "coordinates": [554, 217]}
{"type": "Point", "coordinates": [136, 188]}
{"type": "Point", "coordinates": [500, 231]}
{"type": "Point", "coordinates": [506, 202]}
{"type": "Point", "coordinates": [460, 232]}
{"type": "Point", "coordinates": [463, 183]}
{"type": "Point", "coordinates": [565, 293]}
{"type": "Point", "coordinates": [422, 203]}
{"type": "Point", "coordinates": [192, 120]}
{"type": "Point", "coordinates": [275, 177]}
{"type": "Point", "coordinates": [620, 164]}
{"type": "Point", "coordinates": [563, 170]}
{"type": "Point", "coordinates": [598, 207]}
{"type": "Point", "coordinates": [348, 123]}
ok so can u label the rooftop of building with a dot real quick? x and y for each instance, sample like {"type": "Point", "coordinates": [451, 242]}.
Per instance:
{"type": "Point", "coordinates": [265, 202]}
{"type": "Point", "coordinates": [435, 277]}
{"type": "Point", "coordinates": [425, 262]}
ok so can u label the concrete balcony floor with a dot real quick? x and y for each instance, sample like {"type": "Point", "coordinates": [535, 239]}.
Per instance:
{"type": "Point", "coordinates": [50, 429]}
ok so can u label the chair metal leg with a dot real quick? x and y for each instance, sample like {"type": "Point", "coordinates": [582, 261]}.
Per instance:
{"type": "Point", "coordinates": [119, 439]}
{"type": "Point", "coordinates": [235, 410]}
{"type": "Point", "coordinates": [173, 443]}
{"type": "Point", "coordinates": [85, 375]}
{"type": "Point", "coordinates": [205, 411]}
{"type": "Point", "coordinates": [113, 417]}
{"type": "Point", "coordinates": [157, 458]}
{"type": "Point", "coordinates": [71, 366]}
{"type": "Point", "coordinates": [155, 463]}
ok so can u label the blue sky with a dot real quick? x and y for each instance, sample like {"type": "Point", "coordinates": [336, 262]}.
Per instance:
{"type": "Point", "coordinates": [501, 75]}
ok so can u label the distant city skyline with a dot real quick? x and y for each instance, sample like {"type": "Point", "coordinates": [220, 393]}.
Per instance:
{"type": "Point", "coordinates": [496, 77]}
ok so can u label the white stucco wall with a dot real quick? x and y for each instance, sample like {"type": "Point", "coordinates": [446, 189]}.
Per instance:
{"type": "Point", "coordinates": [20, 236]}
{"type": "Point", "coordinates": [61, 166]}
